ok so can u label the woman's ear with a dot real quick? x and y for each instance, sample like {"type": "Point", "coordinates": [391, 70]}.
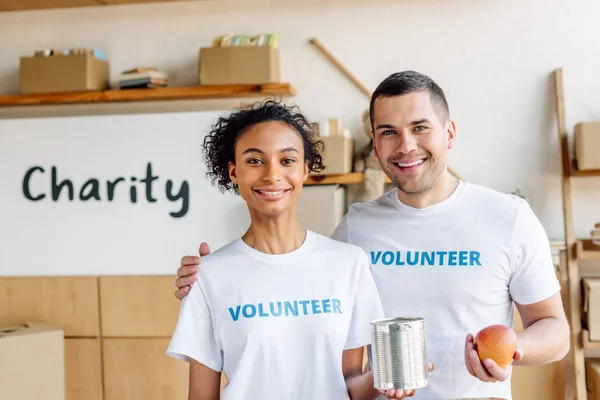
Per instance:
{"type": "Point", "coordinates": [305, 171]}
{"type": "Point", "coordinates": [232, 174]}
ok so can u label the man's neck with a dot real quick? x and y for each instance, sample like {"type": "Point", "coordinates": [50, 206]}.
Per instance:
{"type": "Point", "coordinates": [443, 189]}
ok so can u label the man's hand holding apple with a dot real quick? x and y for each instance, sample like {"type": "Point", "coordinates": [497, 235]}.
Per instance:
{"type": "Point", "coordinates": [489, 355]}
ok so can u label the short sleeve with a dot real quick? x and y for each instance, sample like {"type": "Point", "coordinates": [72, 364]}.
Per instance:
{"type": "Point", "coordinates": [367, 306]}
{"type": "Point", "coordinates": [341, 232]}
{"type": "Point", "coordinates": [533, 275]}
{"type": "Point", "coordinates": [194, 335]}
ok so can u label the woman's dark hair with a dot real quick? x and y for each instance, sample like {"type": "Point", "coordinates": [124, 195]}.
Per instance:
{"type": "Point", "coordinates": [219, 144]}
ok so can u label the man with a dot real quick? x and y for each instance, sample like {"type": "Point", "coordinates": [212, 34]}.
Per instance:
{"type": "Point", "coordinates": [460, 255]}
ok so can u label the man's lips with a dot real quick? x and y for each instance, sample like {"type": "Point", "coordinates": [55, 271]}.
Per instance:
{"type": "Point", "coordinates": [410, 163]}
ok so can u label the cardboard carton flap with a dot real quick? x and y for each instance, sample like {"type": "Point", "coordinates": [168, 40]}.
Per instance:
{"type": "Point", "coordinates": [27, 328]}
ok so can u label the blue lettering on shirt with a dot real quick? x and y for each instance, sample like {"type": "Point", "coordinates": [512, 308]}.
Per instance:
{"type": "Point", "coordinates": [286, 308]}
{"type": "Point", "coordinates": [410, 258]}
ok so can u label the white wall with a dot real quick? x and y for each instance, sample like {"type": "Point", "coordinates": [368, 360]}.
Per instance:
{"type": "Point", "coordinates": [493, 58]}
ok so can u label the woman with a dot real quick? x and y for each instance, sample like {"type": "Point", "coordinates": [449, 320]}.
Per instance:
{"type": "Point", "coordinates": [283, 311]}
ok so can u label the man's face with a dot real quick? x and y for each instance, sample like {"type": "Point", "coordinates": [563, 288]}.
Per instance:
{"type": "Point", "coordinates": [411, 139]}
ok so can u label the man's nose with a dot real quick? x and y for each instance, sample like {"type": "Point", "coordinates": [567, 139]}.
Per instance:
{"type": "Point", "coordinates": [406, 143]}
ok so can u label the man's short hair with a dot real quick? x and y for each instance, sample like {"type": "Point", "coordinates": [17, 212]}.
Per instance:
{"type": "Point", "coordinates": [400, 83]}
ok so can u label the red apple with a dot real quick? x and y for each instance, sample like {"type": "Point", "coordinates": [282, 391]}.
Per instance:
{"type": "Point", "coordinates": [498, 342]}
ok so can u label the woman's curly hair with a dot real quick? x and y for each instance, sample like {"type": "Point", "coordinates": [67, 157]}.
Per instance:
{"type": "Point", "coordinates": [219, 144]}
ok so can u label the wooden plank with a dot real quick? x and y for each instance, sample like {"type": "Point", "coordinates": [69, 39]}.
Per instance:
{"type": "Point", "coordinates": [575, 384]}
{"type": "Point", "coordinates": [70, 303]}
{"type": "Point", "coordinates": [345, 179]}
{"type": "Point", "coordinates": [342, 179]}
{"type": "Point", "coordinates": [139, 369]}
{"type": "Point", "coordinates": [586, 173]}
{"type": "Point", "coordinates": [117, 2]}
{"type": "Point", "coordinates": [138, 306]}
{"type": "Point", "coordinates": [21, 5]}
{"type": "Point", "coordinates": [153, 94]}
{"type": "Point", "coordinates": [83, 369]}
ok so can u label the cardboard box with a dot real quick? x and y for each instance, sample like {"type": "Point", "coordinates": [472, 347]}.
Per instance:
{"type": "Point", "coordinates": [238, 65]}
{"type": "Point", "coordinates": [592, 377]}
{"type": "Point", "coordinates": [337, 154]}
{"type": "Point", "coordinates": [61, 73]}
{"type": "Point", "coordinates": [587, 145]}
{"type": "Point", "coordinates": [321, 208]}
{"type": "Point", "coordinates": [591, 307]}
{"type": "Point", "coordinates": [32, 362]}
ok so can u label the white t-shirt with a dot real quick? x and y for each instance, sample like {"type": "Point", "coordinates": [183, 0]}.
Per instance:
{"type": "Point", "coordinates": [459, 264]}
{"type": "Point", "coordinates": [277, 324]}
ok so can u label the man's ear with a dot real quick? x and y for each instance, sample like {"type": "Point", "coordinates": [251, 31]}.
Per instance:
{"type": "Point", "coordinates": [373, 145]}
{"type": "Point", "coordinates": [232, 174]}
{"type": "Point", "coordinates": [451, 132]}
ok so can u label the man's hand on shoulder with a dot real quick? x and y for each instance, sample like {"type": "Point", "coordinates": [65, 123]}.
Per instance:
{"type": "Point", "coordinates": [186, 273]}
{"type": "Point", "coordinates": [487, 370]}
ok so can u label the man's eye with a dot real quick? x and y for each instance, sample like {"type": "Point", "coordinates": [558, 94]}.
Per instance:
{"type": "Point", "coordinates": [420, 128]}
{"type": "Point", "coordinates": [388, 132]}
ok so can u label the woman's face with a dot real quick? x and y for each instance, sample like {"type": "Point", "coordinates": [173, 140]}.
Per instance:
{"type": "Point", "coordinates": [269, 168]}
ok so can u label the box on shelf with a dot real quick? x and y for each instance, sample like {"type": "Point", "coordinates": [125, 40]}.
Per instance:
{"type": "Point", "coordinates": [321, 208]}
{"type": "Point", "coordinates": [32, 362]}
{"type": "Point", "coordinates": [591, 307]}
{"type": "Point", "coordinates": [63, 73]}
{"type": "Point", "coordinates": [238, 65]}
{"type": "Point", "coordinates": [592, 377]}
{"type": "Point", "coordinates": [337, 154]}
{"type": "Point", "coordinates": [587, 145]}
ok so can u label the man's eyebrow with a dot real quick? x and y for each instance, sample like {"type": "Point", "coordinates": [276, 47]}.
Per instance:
{"type": "Point", "coordinates": [420, 121]}
{"type": "Point", "coordinates": [385, 126]}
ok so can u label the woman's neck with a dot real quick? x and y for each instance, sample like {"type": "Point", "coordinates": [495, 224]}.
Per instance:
{"type": "Point", "coordinates": [279, 235]}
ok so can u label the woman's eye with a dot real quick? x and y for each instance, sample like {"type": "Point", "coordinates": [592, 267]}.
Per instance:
{"type": "Point", "coordinates": [254, 161]}
{"type": "Point", "coordinates": [288, 161]}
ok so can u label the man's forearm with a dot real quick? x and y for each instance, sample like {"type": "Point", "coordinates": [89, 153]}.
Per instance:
{"type": "Point", "coordinates": [544, 341]}
{"type": "Point", "coordinates": [360, 387]}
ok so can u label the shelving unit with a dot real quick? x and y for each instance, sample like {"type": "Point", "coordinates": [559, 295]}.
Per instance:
{"type": "Point", "coordinates": [577, 249]}
{"type": "Point", "coordinates": [188, 98]}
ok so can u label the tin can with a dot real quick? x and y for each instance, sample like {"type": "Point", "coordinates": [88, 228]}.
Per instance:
{"type": "Point", "coordinates": [398, 353]}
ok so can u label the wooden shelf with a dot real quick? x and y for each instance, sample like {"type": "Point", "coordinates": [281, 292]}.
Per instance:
{"type": "Point", "coordinates": [583, 173]}
{"type": "Point", "coordinates": [26, 5]}
{"type": "Point", "coordinates": [153, 94]}
{"type": "Point", "coordinates": [586, 173]}
{"type": "Point", "coordinates": [351, 178]}
{"type": "Point", "coordinates": [586, 249]}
